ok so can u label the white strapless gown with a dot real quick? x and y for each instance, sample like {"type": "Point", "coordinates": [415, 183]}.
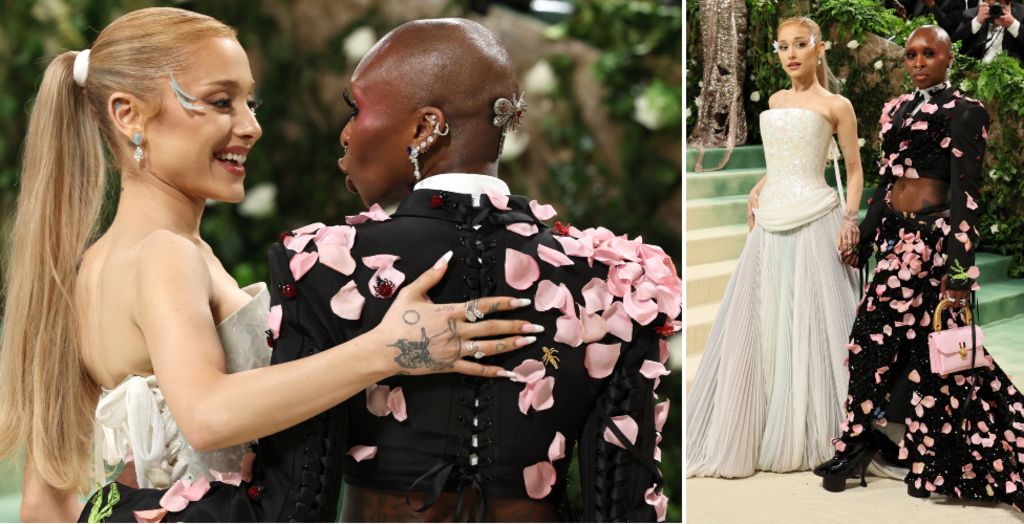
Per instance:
{"type": "Point", "coordinates": [134, 418]}
{"type": "Point", "coordinates": [771, 385]}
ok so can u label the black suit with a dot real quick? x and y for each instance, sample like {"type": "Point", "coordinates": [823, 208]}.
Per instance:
{"type": "Point", "coordinates": [975, 44]}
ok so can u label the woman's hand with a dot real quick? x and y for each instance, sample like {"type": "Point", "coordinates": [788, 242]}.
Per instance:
{"type": "Point", "coordinates": [958, 298]}
{"type": "Point", "coordinates": [436, 338]}
{"type": "Point", "coordinates": [752, 206]}
{"type": "Point", "coordinates": [849, 235]}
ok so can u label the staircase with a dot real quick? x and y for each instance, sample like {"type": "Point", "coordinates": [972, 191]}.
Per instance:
{"type": "Point", "coordinates": [716, 229]}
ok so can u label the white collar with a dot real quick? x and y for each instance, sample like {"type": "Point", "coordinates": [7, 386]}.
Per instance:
{"type": "Point", "coordinates": [929, 92]}
{"type": "Point", "coordinates": [465, 183]}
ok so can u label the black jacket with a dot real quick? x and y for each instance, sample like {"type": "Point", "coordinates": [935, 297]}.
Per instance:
{"type": "Point", "coordinates": [974, 44]}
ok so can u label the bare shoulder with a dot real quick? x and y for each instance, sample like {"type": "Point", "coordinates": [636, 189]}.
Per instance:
{"type": "Point", "coordinates": [777, 98]}
{"type": "Point", "coordinates": [840, 108]}
{"type": "Point", "coordinates": [166, 258]}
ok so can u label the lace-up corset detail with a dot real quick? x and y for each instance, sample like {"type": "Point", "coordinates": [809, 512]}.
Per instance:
{"type": "Point", "coordinates": [796, 144]}
{"type": "Point", "coordinates": [134, 424]}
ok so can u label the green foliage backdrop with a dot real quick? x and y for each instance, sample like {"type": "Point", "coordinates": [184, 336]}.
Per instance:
{"type": "Point", "coordinates": [870, 73]}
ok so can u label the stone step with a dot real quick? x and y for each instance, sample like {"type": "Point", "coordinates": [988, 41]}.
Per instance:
{"type": "Point", "coordinates": [1003, 340]}
{"type": "Point", "coordinates": [706, 283]}
{"type": "Point", "coordinates": [715, 244]}
{"type": "Point", "coordinates": [722, 183]}
{"type": "Point", "coordinates": [994, 267]}
{"type": "Point", "coordinates": [714, 212]}
{"type": "Point", "coordinates": [1000, 300]}
{"type": "Point", "coordinates": [742, 157]}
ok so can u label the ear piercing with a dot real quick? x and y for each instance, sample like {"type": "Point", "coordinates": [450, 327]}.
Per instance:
{"type": "Point", "coordinates": [415, 150]}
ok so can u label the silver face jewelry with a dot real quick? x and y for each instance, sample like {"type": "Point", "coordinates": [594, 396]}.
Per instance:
{"type": "Point", "coordinates": [186, 100]}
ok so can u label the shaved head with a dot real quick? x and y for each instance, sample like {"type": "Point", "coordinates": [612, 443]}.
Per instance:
{"type": "Point", "coordinates": [937, 34]}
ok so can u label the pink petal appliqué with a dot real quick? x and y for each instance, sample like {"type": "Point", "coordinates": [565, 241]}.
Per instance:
{"type": "Point", "coordinates": [643, 311]}
{"type": "Point", "coordinates": [661, 414]}
{"type": "Point", "coordinates": [552, 256]}
{"type": "Point", "coordinates": [550, 296]}
{"type": "Point", "coordinates": [344, 236]}
{"type": "Point", "coordinates": [539, 478]}
{"type": "Point", "coordinates": [384, 264]}
{"type": "Point", "coordinates": [525, 229]}
{"type": "Point", "coordinates": [627, 426]}
{"type": "Point", "coordinates": [658, 500]}
{"type": "Point", "coordinates": [245, 466]}
{"type": "Point", "coordinates": [574, 247]}
{"type": "Point", "coordinates": [596, 296]}
{"type": "Point", "coordinates": [498, 200]}
{"type": "Point", "coordinates": [150, 515]}
{"type": "Point", "coordinates": [957, 153]}
{"type": "Point", "coordinates": [338, 258]}
{"type": "Point", "coordinates": [348, 302]}
{"type": "Point", "coordinates": [233, 478]}
{"type": "Point", "coordinates": [618, 322]}
{"type": "Point", "coordinates": [301, 263]}
{"type": "Point", "coordinates": [569, 330]}
{"type": "Point", "coordinates": [375, 213]}
{"type": "Point", "coordinates": [920, 125]}
{"type": "Point", "coordinates": [274, 320]}
{"type": "Point", "coordinates": [652, 369]}
{"type": "Point", "coordinates": [929, 108]}
{"type": "Point", "coordinates": [971, 204]}
{"type": "Point", "coordinates": [521, 270]}
{"type": "Point", "coordinates": [308, 229]}
{"type": "Point", "coordinates": [177, 497]}
{"type": "Point", "coordinates": [396, 403]}
{"type": "Point", "coordinates": [377, 400]}
{"type": "Point", "coordinates": [542, 211]}
{"type": "Point", "coordinates": [543, 393]}
{"type": "Point", "coordinates": [297, 243]}
{"type": "Point", "coordinates": [600, 359]}
{"type": "Point", "coordinates": [361, 453]}
{"type": "Point", "coordinates": [594, 327]}
{"type": "Point", "coordinates": [556, 450]}
{"type": "Point", "coordinates": [530, 370]}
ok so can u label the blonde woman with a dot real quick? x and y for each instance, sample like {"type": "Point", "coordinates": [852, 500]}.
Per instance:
{"type": "Point", "coordinates": [139, 339]}
{"type": "Point", "coordinates": [769, 391]}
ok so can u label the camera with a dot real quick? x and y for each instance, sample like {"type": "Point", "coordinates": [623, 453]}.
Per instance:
{"type": "Point", "coordinates": [995, 10]}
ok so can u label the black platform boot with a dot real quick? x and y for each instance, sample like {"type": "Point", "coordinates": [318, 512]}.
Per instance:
{"type": "Point", "coordinates": [850, 463]}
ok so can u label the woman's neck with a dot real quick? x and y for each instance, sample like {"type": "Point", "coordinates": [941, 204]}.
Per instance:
{"type": "Point", "coordinates": [148, 202]}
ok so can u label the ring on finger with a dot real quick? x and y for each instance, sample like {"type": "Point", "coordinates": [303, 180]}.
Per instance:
{"type": "Point", "coordinates": [479, 355]}
{"type": "Point", "coordinates": [471, 348]}
{"type": "Point", "coordinates": [473, 312]}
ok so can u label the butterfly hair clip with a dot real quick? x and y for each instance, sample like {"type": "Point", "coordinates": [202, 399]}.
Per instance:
{"type": "Point", "coordinates": [508, 115]}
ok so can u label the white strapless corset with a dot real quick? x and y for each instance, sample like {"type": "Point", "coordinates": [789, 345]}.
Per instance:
{"type": "Point", "coordinates": [796, 147]}
{"type": "Point", "coordinates": [133, 418]}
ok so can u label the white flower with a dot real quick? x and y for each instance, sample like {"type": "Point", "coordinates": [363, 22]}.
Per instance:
{"type": "Point", "coordinates": [755, 96]}
{"type": "Point", "coordinates": [515, 144]}
{"type": "Point", "coordinates": [688, 112]}
{"type": "Point", "coordinates": [842, 80]}
{"type": "Point", "coordinates": [853, 44]}
{"type": "Point", "coordinates": [828, 45]}
{"type": "Point", "coordinates": [540, 79]}
{"type": "Point", "coordinates": [701, 83]}
{"type": "Point", "coordinates": [646, 114]}
{"type": "Point", "coordinates": [861, 142]}
{"type": "Point", "coordinates": [878, 64]}
{"type": "Point", "coordinates": [358, 42]}
{"type": "Point", "coordinates": [696, 101]}
{"type": "Point", "coordinates": [259, 202]}
{"type": "Point", "coordinates": [992, 174]}
{"type": "Point", "coordinates": [994, 229]}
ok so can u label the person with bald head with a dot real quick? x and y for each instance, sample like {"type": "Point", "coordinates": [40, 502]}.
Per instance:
{"type": "Point", "coordinates": [432, 103]}
{"type": "Point", "coordinates": [959, 429]}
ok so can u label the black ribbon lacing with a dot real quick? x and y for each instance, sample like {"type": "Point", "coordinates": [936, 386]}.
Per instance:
{"type": "Point", "coordinates": [466, 477]}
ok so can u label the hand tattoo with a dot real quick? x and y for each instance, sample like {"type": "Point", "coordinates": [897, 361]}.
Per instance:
{"type": "Point", "coordinates": [415, 354]}
{"type": "Point", "coordinates": [411, 317]}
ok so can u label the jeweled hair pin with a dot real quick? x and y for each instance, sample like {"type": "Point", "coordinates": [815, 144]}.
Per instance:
{"type": "Point", "coordinates": [508, 115]}
{"type": "Point", "coordinates": [186, 100]}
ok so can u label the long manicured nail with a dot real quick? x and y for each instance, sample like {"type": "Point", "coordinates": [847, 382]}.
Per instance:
{"type": "Point", "coordinates": [533, 328]}
{"type": "Point", "coordinates": [443, 261]}
{"type": "Point", "coordinates": [522, 341]}
{"type": "Point", "coordinates": [520, 302]}
{"type": "Point", "coordinates": [507, 374]}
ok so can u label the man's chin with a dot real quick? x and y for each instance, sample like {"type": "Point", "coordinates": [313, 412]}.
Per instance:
{"type": "Point", "coordinates": [350, 186]}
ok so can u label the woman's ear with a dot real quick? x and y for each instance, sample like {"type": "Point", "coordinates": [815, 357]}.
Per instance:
{"type": "Point", "coordinates": [125, 111]}
{"type": "Point", "coordinates": [427, 120]}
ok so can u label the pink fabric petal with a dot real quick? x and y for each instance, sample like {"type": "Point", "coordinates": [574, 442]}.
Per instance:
{"type": "Point", "coordinates": [556, 450]}
{"type": "Point", "coordinates": [530, 370]}
{"type": "Point", "coordinates": [542, 211]}
{"type": "Point", "coordinates": [274, 320]}
{"type": "Point", "coordinates": [245, 466]}
{"type": "Point", "coordinates": [552, 256]}
{"type": "Point", "coordinates": [396, 403]}
{"type": "Point", "coordinates": [596, 296]}
{"type": "Point", "coordinates": [652, 369]}
{"type": "Point", "coordinates": [521, 270]}
{"type": "Point", "coordinates": [196, 490]}
{"type": "Point", "coordinates": [348, 302]}
{"type": "Point", "coordinates": [150, 515]}
{"type": "Point", "coordinates": [384, 264]}
{"type": "Point", "coordinates": [539, 479]}
{"type": "Point", "coordinates": [301, 263]}
{"type": "Point", "coordinates": [498, 200]}
{"type": "Point", "coordinates": [658, 500]}
{"type": "Point", "coordinates": [574, 247]}
{"type": "Point", "coordinates": [945, 142]}
{"type": "Point", "coordinates": [526, 398]}
{"type": "Point", "coordinates": [627, 426]}
{"type": "Point", "coordinates": [558, 296]}
{"type": "Point", "coordinates": [377, 400]}
{"type": "Point", "coordinates": [957, 153]}
{"type": "Point", "coordinates": [543, 394]}
{"type": "Point", "coordinates": [920, 125]}
{"type": "Point", "coordinates": [297, 243]}
{"type": "Point", "coordinates": [618, 322]}
{"type": "Point", "coordinates": [600, 359]}
{"type": "Point", "coordinates": [643, 311]}
{"type": "Point", "coordinates": [569, 330]}
{"type": "Point", "coordinates": [375, 213]}
{"type": "Point", "coordinates": [661, 414]}
{"type": "Point", "coordinates": [525, 229]}
{"type": "Point", "coordinates": [344, 236]}
{"type": "Point", "coordinates": [338, 258]}
{"type": "Point", "coordinates": [594, 326]}
{"type": "Point", "coordinates": [973, 272]}
{"type": "Point", "coordinates": [971, 204]}
{"type": "Point", "coordinates": [670, 301]}
{"type": "Point", "coordinates": [380, 261]}
{"type": "Point", "coordinates": [929, 108]}
{"type": "Point", "coordinates": [233, 478]}
{"type": "Point", "coordinates": [361, 453]}
{"type": "Point", "coordinates": [308, 228]}
{"type": "Point", "coordinates": [663, 351]}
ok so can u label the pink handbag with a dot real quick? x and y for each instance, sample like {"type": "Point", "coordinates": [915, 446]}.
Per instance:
{"type": "Point", "coordinates": [956, 349]}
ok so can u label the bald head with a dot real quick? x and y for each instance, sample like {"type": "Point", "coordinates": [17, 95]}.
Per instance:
{"type": "Point", "coordinates": [935, 34]}
{"type": "Point", "coordinates": [453, 64]}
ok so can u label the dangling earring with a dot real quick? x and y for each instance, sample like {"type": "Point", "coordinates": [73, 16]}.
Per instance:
{"type": "Point", "coordinates": [137, 140]}
{"type": "Point", "coordinates": [414, 153]}
{"type": "Point", "coordinates": [415, 150]}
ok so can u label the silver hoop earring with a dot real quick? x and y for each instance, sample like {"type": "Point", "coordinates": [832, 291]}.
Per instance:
{"type": "Point", "coordinates": [137, 140]}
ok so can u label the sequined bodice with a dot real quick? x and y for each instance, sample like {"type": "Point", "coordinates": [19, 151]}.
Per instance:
{"type": "Point", "coordinates": [133, 422]}
{"type": "Point", "coordinates": [796, 144]}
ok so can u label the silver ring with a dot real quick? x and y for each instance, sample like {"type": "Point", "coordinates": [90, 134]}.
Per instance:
{"type": "Point", "coordinates": [471, 348]}
{"type": "Point", "coordinates": [473, 312]}
{"type": "Point", "coordinates": [479, 355]}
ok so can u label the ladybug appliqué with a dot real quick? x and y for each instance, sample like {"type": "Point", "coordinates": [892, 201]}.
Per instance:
{"type": "Point", "coordinates": [384, 287]}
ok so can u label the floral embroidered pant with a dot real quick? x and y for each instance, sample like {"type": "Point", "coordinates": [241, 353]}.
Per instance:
{"type": "Point", "coordinates": [973, 451]}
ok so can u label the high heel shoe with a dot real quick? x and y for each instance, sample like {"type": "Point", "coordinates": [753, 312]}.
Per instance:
{"type": "Point", "coordinates": [851, 463]}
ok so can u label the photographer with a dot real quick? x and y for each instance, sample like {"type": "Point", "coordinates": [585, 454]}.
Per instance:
{"type": "Point", "coordinates": [947, 13]}
{"type": "Point", "coordinates": [991, 28]}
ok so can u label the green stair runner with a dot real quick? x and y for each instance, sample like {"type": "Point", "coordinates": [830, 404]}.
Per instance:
{"type": "Point", "coordinates": [716, 204]}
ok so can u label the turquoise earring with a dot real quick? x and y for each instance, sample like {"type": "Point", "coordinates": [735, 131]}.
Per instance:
{"type": "Point", "coordinates": [137, 140]}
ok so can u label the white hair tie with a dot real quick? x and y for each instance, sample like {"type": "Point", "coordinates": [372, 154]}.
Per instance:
{"type": "Point", "coordinates": [81, 70]}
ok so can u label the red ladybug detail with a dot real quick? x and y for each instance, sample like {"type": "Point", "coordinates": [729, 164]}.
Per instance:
{"type": "Point", "coordinates": [284, 236]}
{"type": "Point", "coordinates": [436, 201]}
{"type": "Point", "coordinates": [270, 342]}
{"type": "Point", "coordinates": [254, 492]}
{"type": "Point", "coordinates": [289, 291]}
{"type": "Point", "coordinates": [384, 287]}
{"type": "Point", "coordinates": [561, 229]}
{"type": "Point", "coordinates": [666, 329]}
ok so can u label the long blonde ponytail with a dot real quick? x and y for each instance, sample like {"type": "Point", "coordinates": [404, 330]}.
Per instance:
{"type": "Point", "coordinates": [47, 398]}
